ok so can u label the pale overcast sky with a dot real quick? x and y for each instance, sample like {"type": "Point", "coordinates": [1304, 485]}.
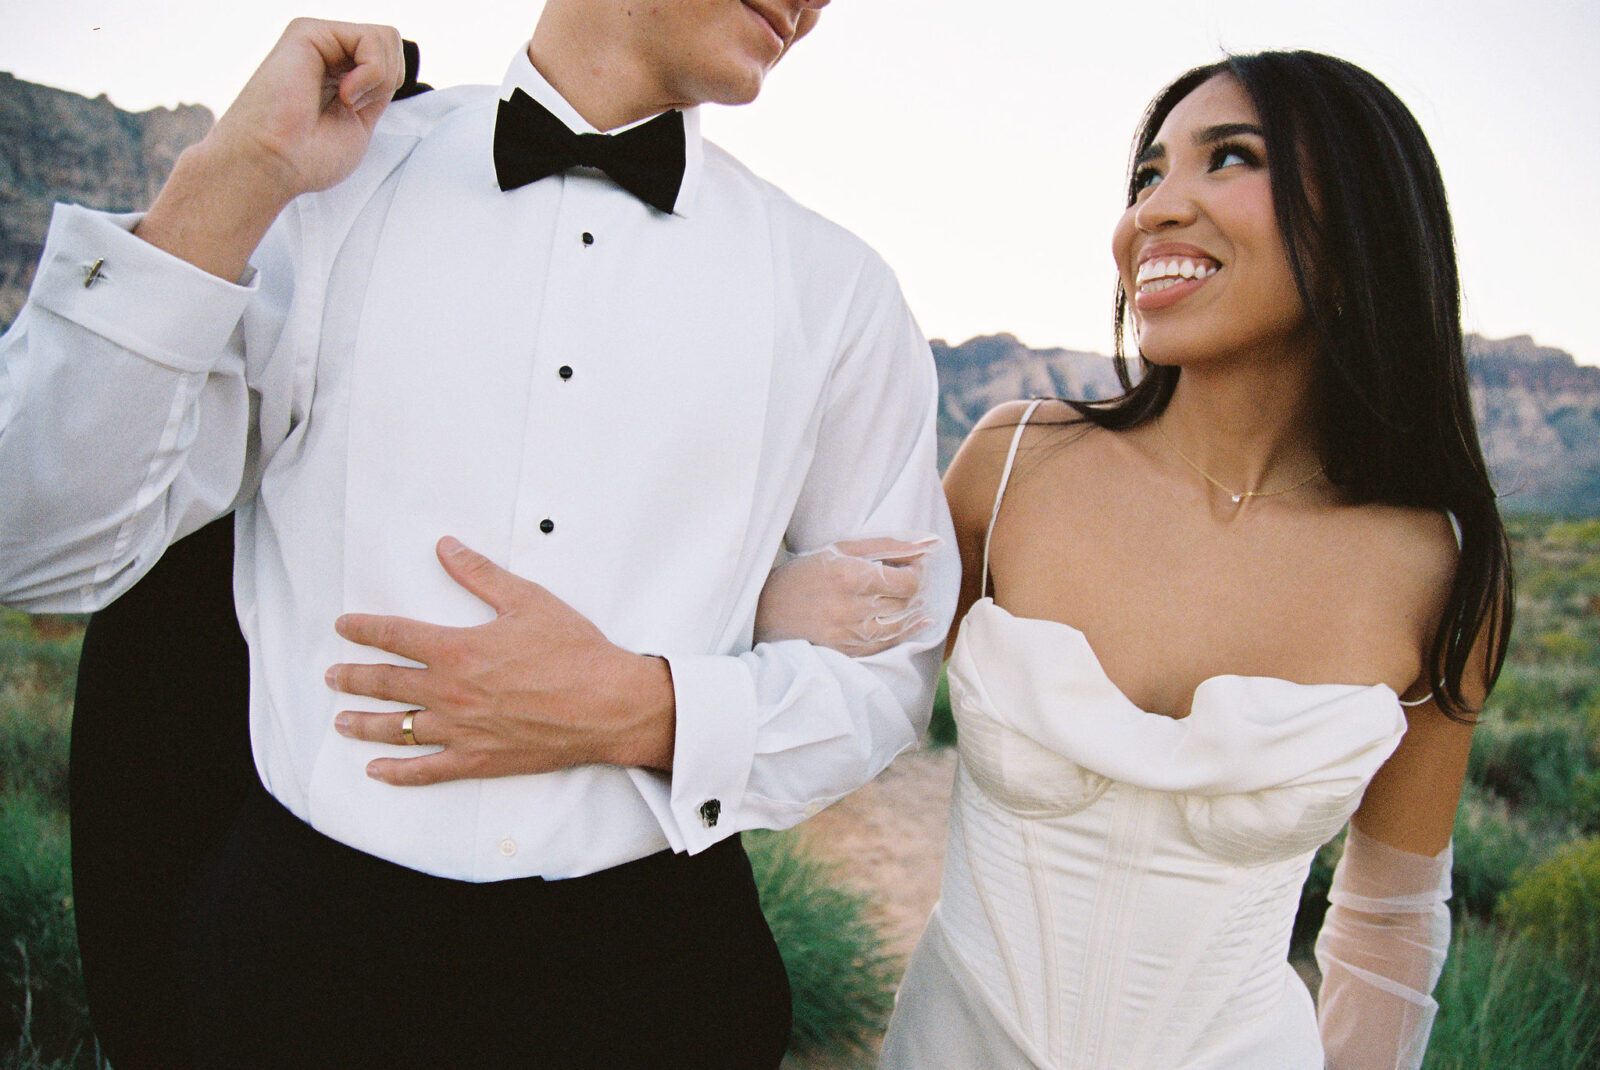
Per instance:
{"type": "Point", "coordinates": [979, 144]}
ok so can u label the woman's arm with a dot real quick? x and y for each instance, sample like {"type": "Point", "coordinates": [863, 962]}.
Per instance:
{"type": "Point", "coordinates": [1384, 941]}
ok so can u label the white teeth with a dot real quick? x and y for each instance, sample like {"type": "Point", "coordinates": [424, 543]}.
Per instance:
{"type": "Point", "coordinates": [1155, 275]}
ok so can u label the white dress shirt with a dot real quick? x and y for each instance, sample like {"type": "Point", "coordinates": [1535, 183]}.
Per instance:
{"type": "Point", "coordinates": [632, 408]}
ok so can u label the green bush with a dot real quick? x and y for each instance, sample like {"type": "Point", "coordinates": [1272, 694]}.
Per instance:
{"type": "Point", "coordinates": [1491, 845]}
{"type": "Point", "coordinates": [1504, 1006]}
{"type": "Point", "coordinates": [34, 734]}
{"type": "Point", "coordinates": [41, 984]}
{"type": "Point", "coordinates": [1558, 906]}
{"type": "Point", "coordinates": [39, 653]}
{"type": "Point", "coordinates": [1538, 764]}
{"type": "Point", "coordinates": [942, 728]}
{"type": "Point", "coordinates": [842, 976]}
{"type": "Point", "coordinates": [1540, 692]}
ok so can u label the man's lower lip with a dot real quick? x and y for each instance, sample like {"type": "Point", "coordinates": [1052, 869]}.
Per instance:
{"type": "Point", "coordinates": [1159, 299]}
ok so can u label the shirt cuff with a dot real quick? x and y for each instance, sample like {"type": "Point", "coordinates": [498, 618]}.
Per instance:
{"type": "Point", "coordinates": [713, 747]}
{"type": "Point", "coordinates": [97, 274]}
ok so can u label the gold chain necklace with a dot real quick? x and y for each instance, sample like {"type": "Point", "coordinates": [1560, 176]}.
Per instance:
{"type": "Point", "coordinates": [1236, 496]}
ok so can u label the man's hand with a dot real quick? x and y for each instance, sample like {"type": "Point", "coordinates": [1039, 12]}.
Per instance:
{"type": "Point", "coordinates": [302, 123]}
{"type": "Point", "coordinates": [536, 689]}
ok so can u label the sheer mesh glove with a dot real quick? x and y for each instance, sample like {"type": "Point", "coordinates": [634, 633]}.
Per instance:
{"type": "Point", "coordinates": [1381, 950]}
{"type": "Point", "coordinates": [858, 596]}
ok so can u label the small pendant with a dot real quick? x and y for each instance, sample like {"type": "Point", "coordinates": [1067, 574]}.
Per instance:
{"type": "Point", "coordinates": [1237, 498]}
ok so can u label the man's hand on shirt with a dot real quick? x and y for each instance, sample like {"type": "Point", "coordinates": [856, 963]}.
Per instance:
{"type": "Point", "coordinates": [302, 123]}
{"type": "Point", "coordinates": [536, 689]}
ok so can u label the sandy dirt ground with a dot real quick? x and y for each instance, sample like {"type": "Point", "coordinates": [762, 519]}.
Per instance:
{"type": "Point", "coordinates": [888, 840]}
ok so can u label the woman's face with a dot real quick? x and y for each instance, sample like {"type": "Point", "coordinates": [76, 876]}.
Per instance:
{"type": "Point", "coordinates": [1200, 253]}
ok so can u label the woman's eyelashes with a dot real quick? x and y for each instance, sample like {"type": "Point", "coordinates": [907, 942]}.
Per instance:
{"type": "Point", "coordinates": [1224, 154]}
{"type": "Point", "coordinates": [1234, 154]}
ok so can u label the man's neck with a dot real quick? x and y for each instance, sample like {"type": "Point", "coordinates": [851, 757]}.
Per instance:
{"type": "Point", "coordinates": [604, 84]}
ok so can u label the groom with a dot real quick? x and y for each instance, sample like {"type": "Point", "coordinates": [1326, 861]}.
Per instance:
{"type": "Point", "coordinates": [498, 830]}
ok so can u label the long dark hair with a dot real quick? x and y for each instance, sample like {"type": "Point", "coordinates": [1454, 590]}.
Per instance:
{"type": "Point", "coordinates": [1374, 261]}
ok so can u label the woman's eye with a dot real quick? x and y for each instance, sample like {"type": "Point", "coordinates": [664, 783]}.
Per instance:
{"type": "Point", "coordinates": [1232, 156]}
{"type": "Point", "coordinates": [1145, 178]}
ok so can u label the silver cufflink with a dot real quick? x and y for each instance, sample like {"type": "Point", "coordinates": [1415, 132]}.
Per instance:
{"type": "Point", "coordinates": [710, 810]}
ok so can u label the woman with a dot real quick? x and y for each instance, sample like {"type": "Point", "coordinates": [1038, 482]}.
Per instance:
{"type": "Point", "coordinates": [1211, 621]}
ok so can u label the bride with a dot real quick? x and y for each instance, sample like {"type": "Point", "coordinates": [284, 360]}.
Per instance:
{"type": "Point", "coordinates": [1210, 622]}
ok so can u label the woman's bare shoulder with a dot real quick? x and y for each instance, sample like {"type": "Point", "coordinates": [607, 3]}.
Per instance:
{"type": "Point", "coordinates": [978, 465]}
{"type": "Point", "coordinates": [1411, 542]}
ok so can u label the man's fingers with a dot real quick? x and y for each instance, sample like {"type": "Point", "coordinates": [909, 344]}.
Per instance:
{"type": "Point", "coordinates": [387, 727]}
{"type": "Point", "coordinates": [487, 581]}
{"type": "Point", "coordinates": [393, 683]}
{"type": "Point", "coordinates": [409, 638]}
{"type": "Point", "coordinates": [380, 68]}
{"type": "Point", "coordinates": [366, 59]}
{"type": "Point", "coordinates": [414, 772]}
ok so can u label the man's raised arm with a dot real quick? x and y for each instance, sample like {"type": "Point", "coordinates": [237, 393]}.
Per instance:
{"type": "Point", "coordinates": [301, 124]}
{"type": "Point", "coordinates": [124, 409]}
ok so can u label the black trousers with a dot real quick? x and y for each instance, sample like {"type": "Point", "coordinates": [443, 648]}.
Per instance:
{"type": "Point", "coordinates": [301, 952]}
{"type": "Point", "coordinates": [160, 767]}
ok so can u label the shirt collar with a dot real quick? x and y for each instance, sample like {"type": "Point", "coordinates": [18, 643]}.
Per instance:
{"type": "Point", "coordinates": [523, 75]}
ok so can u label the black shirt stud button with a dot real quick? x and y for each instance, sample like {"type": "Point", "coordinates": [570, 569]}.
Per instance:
{"type": "Point", "coordinates": [588, 239]}
{"type": "Point", "coordinates": [710, 810]}
{"type": "Point", "coordinates": [547, 525]}
{"type": "Point", "coordinates": [565, 371]}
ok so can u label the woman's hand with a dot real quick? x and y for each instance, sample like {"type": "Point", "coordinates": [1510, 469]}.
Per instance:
{"type": "Point", "coordinates": [857, 596]}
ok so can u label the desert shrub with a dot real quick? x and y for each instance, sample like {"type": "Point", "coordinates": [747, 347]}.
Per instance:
{"type": "Point", "coordinates": [1575, 534]}
{"type": "Point", "coordinates": [942, 728]}
{"type": "Point", "coordinates": [1540, 764]}
{"type": "Point", "coordinates": [34, 733]}
{"type": "Point", "coordinates": [41, 984]}
{"type": "Point", "coordinates": [842, 976]}
{"type": "Point", "coordinates": [1503, 1003]}
{"type": "Point", "coordinates": [1540, 692]}
{"type": "Point", "coordinates": [1557, 905]}
{"type": "Point", "coordinates": [1491, 845]}
{"type": "Point", "coordinates": [39, 653]}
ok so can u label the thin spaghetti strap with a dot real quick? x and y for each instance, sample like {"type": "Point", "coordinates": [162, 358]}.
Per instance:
{"type": "Point", "coordinates": [1000, 492]}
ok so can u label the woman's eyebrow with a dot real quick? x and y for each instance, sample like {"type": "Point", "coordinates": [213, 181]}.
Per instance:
{"type": "Point", "coordinates": [1222, 131]}
{"type": "Point", "coordinates": [1209, 135]}
{"type": "Point", "coordinates": [1154, 151]}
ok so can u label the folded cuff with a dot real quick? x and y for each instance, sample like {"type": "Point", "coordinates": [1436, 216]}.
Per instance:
{"type": "Point", "coordinates": [97, 274]}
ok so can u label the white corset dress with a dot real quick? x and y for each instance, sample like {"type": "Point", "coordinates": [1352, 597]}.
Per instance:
{"type": "Point", "coordinates": [1119, 886]}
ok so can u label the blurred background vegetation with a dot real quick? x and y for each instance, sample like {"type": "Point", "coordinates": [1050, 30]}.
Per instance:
{"type": "Point", "coordinates": [1521, 988]}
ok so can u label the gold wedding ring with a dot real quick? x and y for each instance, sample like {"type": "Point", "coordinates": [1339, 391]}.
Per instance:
{"type": "Point", "coordinates": [406, 735]}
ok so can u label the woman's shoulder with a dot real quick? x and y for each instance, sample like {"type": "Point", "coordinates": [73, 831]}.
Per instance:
{"type": "Point", "coordinates": [1423, 535]}
{"type": "Point", "coordinates": [1016, 444]}
{"type": "Point", "coordinates": [1413, 546]}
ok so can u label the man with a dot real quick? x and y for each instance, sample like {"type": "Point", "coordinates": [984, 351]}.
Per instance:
{"type": "Point", "coordinates": [630, 389]}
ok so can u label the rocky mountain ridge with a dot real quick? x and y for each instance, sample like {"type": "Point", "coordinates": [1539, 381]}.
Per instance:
{"type": "Point", "coordinates": [59, 146]}
{"type": "Point", "coordinates": [1539, 410]}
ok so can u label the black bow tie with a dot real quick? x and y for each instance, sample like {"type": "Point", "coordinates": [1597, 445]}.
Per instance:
{"type": "Point", "coordinates": [646, 160]}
